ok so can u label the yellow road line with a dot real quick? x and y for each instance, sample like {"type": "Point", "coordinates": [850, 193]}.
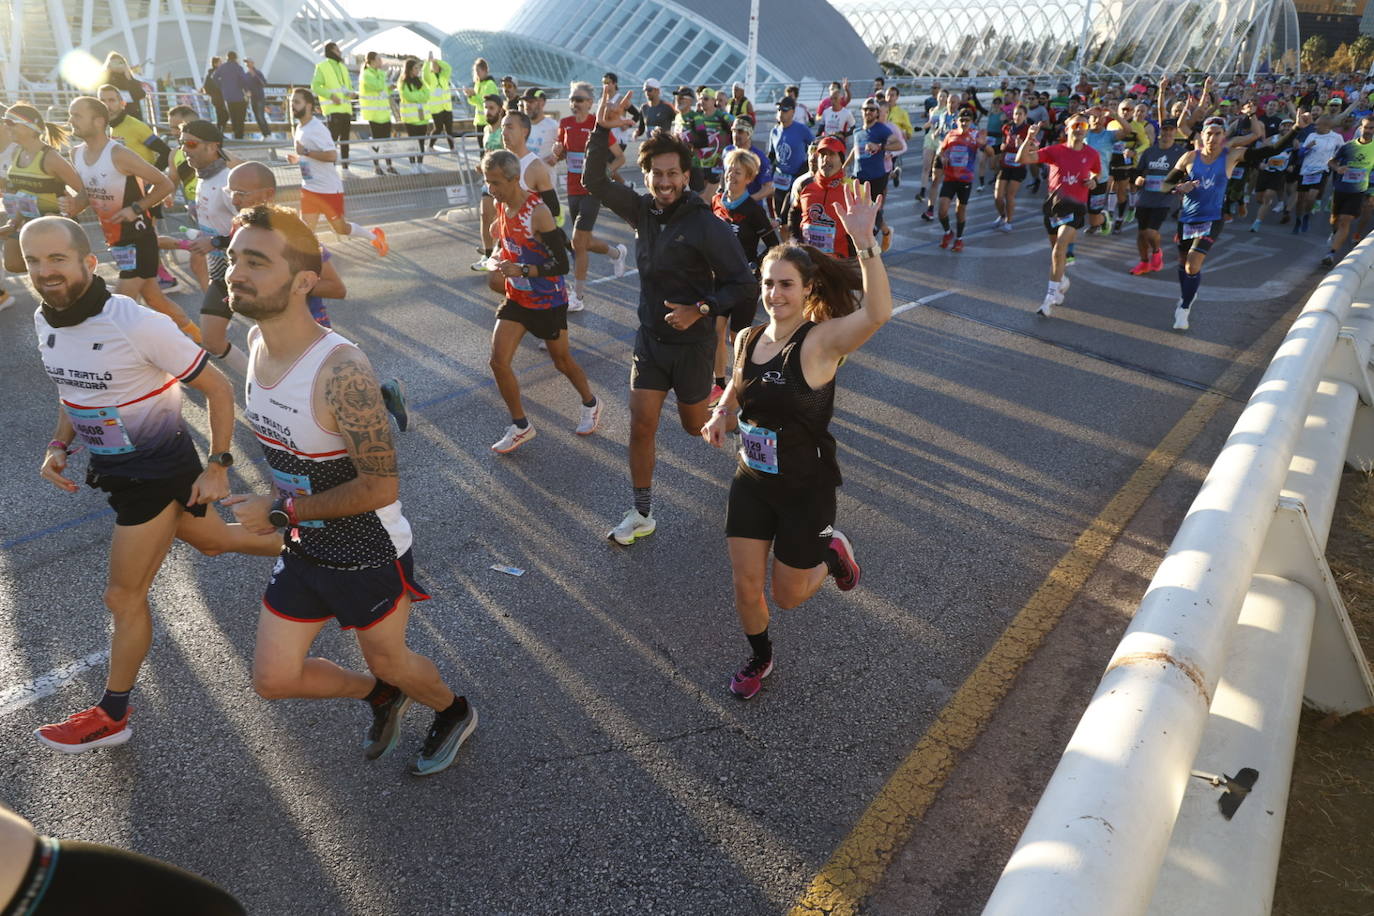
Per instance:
{"type": "Point", "coordinates": [865, 854]}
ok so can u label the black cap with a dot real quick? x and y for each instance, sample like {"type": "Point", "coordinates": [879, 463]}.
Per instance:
{"type": "Point", "coordinates": [1169, 122]}
{"type": "Point", "coordinates": [787, 103]}
{"type": "Point", "coordinates": [685, 90]}
{"type": "Point", "coordinates": [203, 130]}
{"type": "Point", "coordinates": [533, 93]}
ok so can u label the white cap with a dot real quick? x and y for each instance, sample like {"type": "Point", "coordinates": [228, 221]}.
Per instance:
{"type": "Point", "coordinates": [737, 86]}
{"type": "Point", "coordinates": [652, 84]}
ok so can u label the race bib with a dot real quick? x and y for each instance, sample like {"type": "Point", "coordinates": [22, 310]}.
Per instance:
{"type": "Point", "coordinates": [1314, 179]}
{"type": "Point", "coordinates": [293, 485]}
{"type": "Point", "coordinates": [305, 168]}
{"type": "Point", "coordinates": [1097, 202]}
{"type": "Point", "coordinates": [1238, 173]}
{"type": "Point", "coordinates": [820, 235]}
{"type": "Point", "coordinates": [1276, 163]}
{"type": "Point", "coordinates": [1356, 176]}
{"type": "Point", "coordinates": [958, 157]}
{"type": "Point", "coordinates": [575, 161]}
{"type": "Point", "coordinates": [101, 429]}
{"type": "Point", "coordinates": [125, 256]}
{"type": "Point", "coordinates": [781, 181]}
{"type": "Point", "coordinates": [1010, 160]}
{"type": "Point", "coordinates": [1064, 220]}
{"type": "Point", "coordinates": [21, 204]}
{"type": "Point", "coordinates": [1190, 231]}
{"type": "Point", "coordinates": [1154, 182]}
{"type": "Point", "coordinates": [521, 283]}
{"type": "Point", "coordinates": [1119, 147]}
{"type": "Point", "coordinates": [758, 447]}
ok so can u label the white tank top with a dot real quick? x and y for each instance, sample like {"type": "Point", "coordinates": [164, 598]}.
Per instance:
{"type": "Point", "coordinates": [306, 458]}
{"type": "Point", "coordinates": [525, 162]}
{"type": "Point", "coordinates": [109, 191]}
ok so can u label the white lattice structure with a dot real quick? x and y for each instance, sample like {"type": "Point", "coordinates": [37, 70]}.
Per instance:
{"type": "Point", "coordinates": [176, 38]}
{"type": "Point", "coordinates": [1042, 37]}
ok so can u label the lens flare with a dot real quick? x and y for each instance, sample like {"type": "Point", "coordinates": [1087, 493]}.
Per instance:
{"type": "Point", "coordinates": [80, 69]}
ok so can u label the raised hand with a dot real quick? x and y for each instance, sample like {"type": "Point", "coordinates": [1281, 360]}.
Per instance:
{"type": "Point", "coordinates": [859, 213]}
{"type": "Point", "coordinates": [611, 112]}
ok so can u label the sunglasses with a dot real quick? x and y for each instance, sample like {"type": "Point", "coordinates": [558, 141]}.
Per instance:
{"type": "Point", "coordinates": [187, 143]}
{"type": "Point", "coordinates": [579, 98]}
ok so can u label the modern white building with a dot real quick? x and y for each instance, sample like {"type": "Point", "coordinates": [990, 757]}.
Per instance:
{"type": "Point", "coordinates": [177, 38]}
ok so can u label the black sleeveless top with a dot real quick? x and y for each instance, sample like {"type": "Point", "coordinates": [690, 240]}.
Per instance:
{"type": "Point", "coordinates": [784, 422]}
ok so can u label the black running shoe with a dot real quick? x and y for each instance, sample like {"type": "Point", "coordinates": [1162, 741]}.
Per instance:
{"type": "Point", "coordinates": [442, 743]}
{"type": "Point", "coordinates": [386, 726]}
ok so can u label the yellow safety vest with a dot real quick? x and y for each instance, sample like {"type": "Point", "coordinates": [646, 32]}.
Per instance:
{"type": "Point", "coordinates": [331, 78]}
{"type": "Point", "coordinates": [440, 87]}
{"type": "Point", "coordinates": [414, 102]}
{"type": "Point", "coordinates": [374, 96]}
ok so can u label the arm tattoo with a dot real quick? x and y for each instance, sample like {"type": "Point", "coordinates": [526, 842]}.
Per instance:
{"type": "Point", "coordinates": [356, 400]}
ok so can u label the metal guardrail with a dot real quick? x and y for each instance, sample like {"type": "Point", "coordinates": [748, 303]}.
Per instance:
{"type": "Point", "coordinates": [1170, 796]}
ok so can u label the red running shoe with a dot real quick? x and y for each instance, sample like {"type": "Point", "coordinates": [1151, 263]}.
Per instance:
{"type": "Point", "coordinates": [948, 237]}
{"type": "Point", "coordinates": [747, 680]}
{"type": "Point", "coordinates": [1142, 268]}
{"type": "Point", "coordinates": [842, 564]}
{"type": "Point", "coordinates": [85, 730]}
{"type": "Point", "coordinates": [1157, 260]}
{"type": "Point", "coordinates": [379, 242]}
{"type": "Point", "coordinates": [958, 244]}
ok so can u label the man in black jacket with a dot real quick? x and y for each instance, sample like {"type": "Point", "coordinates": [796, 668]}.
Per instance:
{"type": "Point", "coordinates": [691, 270]}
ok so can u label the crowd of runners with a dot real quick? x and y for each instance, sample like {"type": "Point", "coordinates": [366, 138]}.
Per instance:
{"type": "Point", "coordinates": [729, 217]}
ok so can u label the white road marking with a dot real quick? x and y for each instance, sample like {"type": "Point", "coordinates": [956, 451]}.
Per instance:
{"type": "Point", "coordinates": [922, 301]}
{"type": "Point", "coordinates": [16, 698]}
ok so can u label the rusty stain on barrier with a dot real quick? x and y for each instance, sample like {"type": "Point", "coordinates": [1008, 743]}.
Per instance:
{"type": "Point", "coordinates": [1143, 658]}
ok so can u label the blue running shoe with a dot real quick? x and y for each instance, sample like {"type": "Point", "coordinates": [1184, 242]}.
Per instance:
{"type": "Point", "coordinates": [394, 397]}
{"type": "Point", "coordinates": [386, 727]}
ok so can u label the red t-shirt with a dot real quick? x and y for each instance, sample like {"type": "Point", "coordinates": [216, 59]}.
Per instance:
{"type": "Point", "coordinates": [1070, 170]}
{"type": "Point", "coordinates": [959, 155]}
{"type": "Point", "coordinates": [574, 137]}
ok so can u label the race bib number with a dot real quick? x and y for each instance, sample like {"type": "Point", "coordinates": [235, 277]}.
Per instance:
{"type": "Point", "coordinates": [21, 204]}
{"type": "Point", "coordinates": [305, 168]}
{"type": "Point", "coordinates": [958, 157]}
{"type": "Point", "coordinates": [1010, 160]}
{"type": "Point", "coordinates": [820, 235]}
{"type": "Point", "coordinates": [781, 181]}
{"type": "Point", "coordinates": [1154, 182]}
{"type": "Point", "coordinates": [1276, 163]}
{"type": "Point", "coordinates": [1192, 231]}
{"type": "Point", "coordinates": [1312, 180]}
{"type": "Point", "coordinates": [1119, 147]}
{"type": "Point", "coordinates": [575, 161]}
{"type": "Point", "coordinates": [1356, 176]}
{"type": "Point", "coordinates": [521, 283]}
{"type": "Point", "coordinates": [1238, 173]}
{"type": "Point", "coordinates": [293, 485]}
{"type": "Point", "coordinates": [1097, 202]}
{"type": "Point", "coordinates": [125, 256]}
{"type": "Point", "coordinates": [1062, 220]}
{"type": "Point", "coordinates": [758, 447]}
{"type": "Point", "coordinates": [101, 429]}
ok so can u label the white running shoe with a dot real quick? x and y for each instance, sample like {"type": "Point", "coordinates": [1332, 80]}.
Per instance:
{"type": "Point", "coordinates": [1063, 288]}
{"type": "Point", "coordinates": [619, 259]}
{"type": "Point", "coordinates": [513, 439]}
{"type": "Point", "coordinates": [1047, 307]}
{"type": "Point", "coordinates": [1180, 317]}
{"type": "Point", "coordinates": [575, 303]}
{"type": "Point", "coordinates": [591, 419]}
{"type": "Point", "coordinates": [1277, 208]}
{"type": "Point", "coordinates": [997, 223]}
{"type": "Point", "coordinates": [1006, 225]}
{"type": "Point", "coordinates": [631, 527]}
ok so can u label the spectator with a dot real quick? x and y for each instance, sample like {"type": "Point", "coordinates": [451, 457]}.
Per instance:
{"type": "Point", "coordinates": [211, 88]}
{"type": "Point", "coordinates": [740, 107]}
{"type": "Point", "coordinates": [118, 74]}
{"type": "Point", "coordinates": [333, 87]}
{"type": "Point", "coordinates": [482, 86]}
{"type": "Point", "coordinates": [232, 83]}
{"type": "Point", "coordinates": [510, 90]}
{"type": "Point", "coordinates": [256, 84]}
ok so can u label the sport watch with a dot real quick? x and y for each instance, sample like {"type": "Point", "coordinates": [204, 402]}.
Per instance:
{"type": "Point", "coordinates": [223, 459]}
{"type": "Point", "coordinates": [872, 251]}
{"type": "Point", "coordinates": [704, 308]}
{"type": "Point", "coordinates": [524, 270]}
{"type": "Point", "coordinates": [277, 516]}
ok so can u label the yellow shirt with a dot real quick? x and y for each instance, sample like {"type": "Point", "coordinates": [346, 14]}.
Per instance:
{"type": "Point", "coordinates": [901, 120]}
{"type": "Point", "coordinates": [134, 134]}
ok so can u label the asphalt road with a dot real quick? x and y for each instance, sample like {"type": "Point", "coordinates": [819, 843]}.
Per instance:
{"type": "Point", "coordinates": [612, 771]}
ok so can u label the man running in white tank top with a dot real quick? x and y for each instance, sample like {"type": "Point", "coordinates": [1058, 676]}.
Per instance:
{"type": "Point", "coordinates": [316, 409]}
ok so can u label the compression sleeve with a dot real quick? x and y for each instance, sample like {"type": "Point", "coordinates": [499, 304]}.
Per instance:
{"type": "Point", "coordinates": [550, 199]}
{"type": "Point", "coordinates": [557, 243]}
{"type": "Point", "coordinates": [161, 149]}
{"type": "Point", "coordinates": [1176, 176]}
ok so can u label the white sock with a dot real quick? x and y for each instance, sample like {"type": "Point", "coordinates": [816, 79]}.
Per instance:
{"type": "Point", "coordinates": [358, 231]}
{"type": "Point", "coordinates": [1054, 286]}
{"type": "Point", "coordinates": [235, 359]}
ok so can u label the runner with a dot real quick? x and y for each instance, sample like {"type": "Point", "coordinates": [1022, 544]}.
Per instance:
{"type": "Point", "coordinates": [794, 93]}
{"type": "Point", "coordinates": [1153, 203]}
{"type": "Point", "coordinates": [688, 127]}
{"type": "Point", "coordinates": [621, 137]}
{"type": "Point", "coordinates": [761, 182]}
{"type": "Point", "coordinates": [183, 176]}
{"type": "Point", "coordinates": [783, 393]}
{"type": "Point", "coordinates": [702, 276]}
{"type": "Point", "coordinates": [348, 552]}
{"type": "Point", "coordinates": [941, 122]}
{"type": "Point", "coordinates": [533, 259]}
{"type": "Point", "coordinates": [1200, 177]}
{"type": "Point", "coordinates": [1317, 151]}
{"type": "Point", "coordinates": [957, 160]}
{"type": "Point", "coordinates": [655, 113]}
{"type": "Point", "coordinates": [36, 180]}
{"type": "Point", "coordinates": [715, 121]}
{"type": "Point", "coordinates": [119, 369]}
{"type": "Point", "coordinates": [543, 129]}
{"type": "Point", "coordinates": [898, 117]}
{"type": "Point", "coordinates": [1010, 174]}
{"type": "Point", "coordinates": [493, 113]}
{"type": "Point", "coordinates": [1351, 164]}
{"type": "Point", "coordinates": [1275, 167]}
{"type": "Point", "coordinates": [836, 120]}
{"type": "Point", "coordinates": [1134, 136]}
{"type": "Point", "coordinates": [583, 207]}
{"type": "Point", "coordinates": [787, 144]}
{"type": "Point", "coordinates": [1105, 140]}
{"type": "Point", "coordinates": [374, 104]}
{"type": "Point", "coordinates": [321, 186]}
{"type": "Point", "coordinates": [814, 217]}
{"type": "Point", "coordinates": [749, 218]}
{"type": "Point", "coordinates": [110, 176]}
{"type": "Point", "coordinates": [1074, 170]}
{"type": "Point", "coordinates": [536, 178]}
{"type": "Point", "coordinates": [144, 141]}
{"type": "Point", "coordinates": [873, 144]}
{"type": "Point", "coordinates": [252, 184]}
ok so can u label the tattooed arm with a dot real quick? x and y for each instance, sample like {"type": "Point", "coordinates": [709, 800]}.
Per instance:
{"type": "Point", "coordinates": [348, 399]}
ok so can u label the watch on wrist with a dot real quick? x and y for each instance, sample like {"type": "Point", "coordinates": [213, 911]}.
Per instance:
{"type": "Point", "coordinates": [223, 459]}
{"type": "Point", "coordinates": [277, 516]}
{"type": "Point", "coordinates": [872, 251]}
{"type": "Point", "coordinates": [704, 308]}
{"type": "Point", "coordinates": [524, 270]}
{"type": "Point", "coordinates": [136, 207]}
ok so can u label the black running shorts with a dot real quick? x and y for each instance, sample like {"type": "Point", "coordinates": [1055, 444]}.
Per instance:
{"type": "Point", "coordinates": [137, 501]}
{"type": "Point", "coordinates": [684, 368]}
{"type": "Point", "coordinates": [546, 324]}
{"type": "Point", "coordinates": [1060, 212]}
{"type": "Point", "coordinates": [1151, 218]}
{"type": "Point", "coordinates": [1271, 181]}
{"type": "Point", "coordinates": [306, 592]}
{"type": "Point", "coordinates": [1347, 203]}
{"type": "Point", "coordinates": [956, 189]}
{"type": "Point", "coordinates": [583, 210]}
{"type": "Point", "coordinates": [1203, 238]}
{"type": "Point", "coordinates": [137, 260]}
{"type": "Point", "coordinates": [798, 520]}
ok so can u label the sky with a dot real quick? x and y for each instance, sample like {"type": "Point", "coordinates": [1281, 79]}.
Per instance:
{"type": "Point", "coordinates": [450, 17]}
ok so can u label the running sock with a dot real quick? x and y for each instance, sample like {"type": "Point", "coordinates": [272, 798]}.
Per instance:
{"type": "Point", "coordinates": [357, 231]}
{"type": "Point", "coordinates": [1069, 253]}
{"type": "Point", "coordinates": [720, 381]}
{"type": "Point", "coordinates": [522, 423]}
{"type": "Point", "coordinates": [381, 694]}
{"type": "Point", "coordinates": [761, 645]}
{"type": "Point", "coordinates": [959, 229]}
{"type": "Point", "coordinates": [1120, 210]}
{"type": "Point", "coordinates": [1187, 286]}
{"type": "Point", "coordinates": [116, 703]}
{"type": "Point", "coordinates": [234, 358]}
{"type": "Point", "coordinates": [455, 711]}
{"type": "Point", "coordinates": [944, 223]}
{"type": "Point", "coordinates": [644, 500]}
{"type": "Point", "coordinates": [591, 403]}
{"type": "Point", "coordinates": [1054, 286]}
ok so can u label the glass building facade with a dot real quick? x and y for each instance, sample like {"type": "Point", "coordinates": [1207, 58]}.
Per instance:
{"type": "Point", "coordinates": [551, 42]}
{"type": "Point", "coordinates": [1042, 37]}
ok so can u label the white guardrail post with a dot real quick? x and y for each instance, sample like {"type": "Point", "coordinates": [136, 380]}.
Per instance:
{"type": "Point", "coordinates": [1211, 671]}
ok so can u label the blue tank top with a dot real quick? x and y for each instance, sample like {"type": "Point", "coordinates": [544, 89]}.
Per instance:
{"type": "Point", "coordinates": [1203, 205]}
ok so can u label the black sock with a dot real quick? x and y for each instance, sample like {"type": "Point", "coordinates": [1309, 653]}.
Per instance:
{"type": "Point", "coordinates": [959, 229]}
{"type": "Point", "coordinates": [944, 223]}
{"type": "Point", "coordinates": [456, 710]}
{"type": "Point", "coordinates": [1121, 210]}
{"type": "Point", "coordinates": [116, 703]}
{"type": "Point", "coordinates": [720, 381]}
{"type": "Point", "coordinates": [644, 500]}
{"type": "Point", "coordinates": [591, 403]}
{"type": "Point", "coordinates": [522, 423]}
{"type": "Point", "coordinates": [761, 644]}
{"type": "Point", "coordinates": [382, 693]}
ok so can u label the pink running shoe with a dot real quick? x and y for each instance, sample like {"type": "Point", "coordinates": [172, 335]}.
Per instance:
{"type": "Point", "coordinates": [747, 680]}
{"type": "Point", "coordinates": [1157, 260]}
{"type": "Point", "coordinates": [1141, 268]}
{"type": "Point", "coordinates": [842, 565]}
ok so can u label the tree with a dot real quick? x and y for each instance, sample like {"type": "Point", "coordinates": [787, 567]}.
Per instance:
{"type": "Point", "coordinates": [1341, 59]}
{"type": "Point", "coordinates": [1362, 49]}
{"type": "Point", "coordinates": [1314, 52]}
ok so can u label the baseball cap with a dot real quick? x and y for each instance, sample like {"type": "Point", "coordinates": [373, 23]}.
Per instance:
{"type": "Point", "coordinates": [533, 93]}
{"type": "Point", "coordinates": [834, 144]}
{"type": "Point", "coordinates": [652, 84]}
{"type": "Point", "coordinates": [1170, 122]}
{"type": "Point", "coordinates": [787, 103]}
{"type": "Point", "coordinates": [685, 90]}
{"type": "Point", "coordinates": [743, 124]}
{"type": "Point", "coordinates": [737, 86]}
{"type": "Point", "coordinates": [203, 130]}
{"type": "Point", "coordinates": [1334, 102]}
{"type": "Point", "coordinates": [708, 93]}
{"type": "Point", "coordinates": [493, 97]}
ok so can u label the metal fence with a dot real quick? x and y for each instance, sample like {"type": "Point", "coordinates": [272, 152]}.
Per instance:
{"type": "Point", "coordinates": [1170, 797]}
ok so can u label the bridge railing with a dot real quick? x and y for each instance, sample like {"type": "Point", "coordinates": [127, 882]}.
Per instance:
{"type": "Point", "coordinates": [1170, 796]}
